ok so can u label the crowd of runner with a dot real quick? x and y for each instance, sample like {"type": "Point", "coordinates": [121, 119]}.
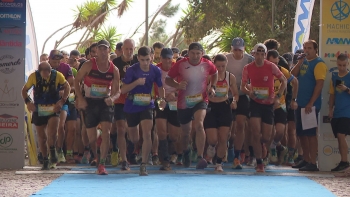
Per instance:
{"type": "Point", "coordinates": [162, 106]}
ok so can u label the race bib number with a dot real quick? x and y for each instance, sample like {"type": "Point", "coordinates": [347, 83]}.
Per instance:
{"type": "Point", "coordinates": [221, 91]}
{"type": "Point", "coordinates": [46, 110]}
{"type": "Point", "coordinates": [71, 97]}
{"type": "Point", "coordinates": [191, 101]}
{"type": "Point", "coordinates": [98, 90]}
{"type": "Point", "coordinates": [172, 105]}
{"type": "Point", "coordinates": [142, 99]}
{"type": "Point", "coordinates": [261, 93]}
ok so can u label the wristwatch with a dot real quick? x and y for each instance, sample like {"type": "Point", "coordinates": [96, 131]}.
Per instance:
{"type": "Point", "coordinates": [214, 87]}
{"type": "Point", "coordinates": [294, 99]}
{"type": "Point", "coordinates": [278, 95]}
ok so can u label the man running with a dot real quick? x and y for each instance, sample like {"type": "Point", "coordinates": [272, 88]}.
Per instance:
{"type": "Point", "coordinates": [138, 82]}
{"type": "Point", "coordinates": [235, 64]}
{"type": "Point", "coordinates": [46, 107]}
{"type": "Point", "coordinates": [55, 60]}
{"type": "Point", "coordinates": [192, 74]}
{"type": "Point", "coordinates": [101, 86]}
{"type": "Point", "coordinates": [119, 126]}
{"type": "Point", "coordinates": [261, 74]}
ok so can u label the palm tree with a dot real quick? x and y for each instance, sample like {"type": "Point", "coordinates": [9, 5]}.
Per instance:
{"type": "Point", "coordinates": [90, 16]}
{"type": "Point", "coordinates": [228, 33]}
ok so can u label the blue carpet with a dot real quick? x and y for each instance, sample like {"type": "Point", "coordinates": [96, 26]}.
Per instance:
{"type": "Point", "coordinates": [161, 185]}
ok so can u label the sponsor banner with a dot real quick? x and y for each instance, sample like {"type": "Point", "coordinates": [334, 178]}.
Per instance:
{"type": "Point", "coordinates": [12, 70]}
{"type": "Point", "coordinates": [302, 23]}
{"type": "Point", "coordinates": [334, 39]}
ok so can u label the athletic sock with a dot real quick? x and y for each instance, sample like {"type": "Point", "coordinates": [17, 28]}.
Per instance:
{"type": "Point", "coordinates": [237, 154]}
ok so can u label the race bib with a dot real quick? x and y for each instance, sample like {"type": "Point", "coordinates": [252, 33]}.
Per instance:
{"type": "Point", "coordinates": [221, 91]}
{"type": "Point", "coordinates": [261, 93]}
{"type": "Point", "coordinates": [283, 106]}
{"type": "Point", "coordinates": [172, 105]}
{"type": "Point", "coordinates": [98, 90]}
{"type": "Point", "coordinates": [142, 99]}
{"type": "Point", "coordinates": [191, 101]}
{"type": "Point", "coordinates": [46, 110]}
{"type": "Point", "coordinates": [71, 97]}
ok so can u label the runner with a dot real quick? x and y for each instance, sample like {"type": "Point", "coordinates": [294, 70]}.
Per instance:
{"type": "Point", "coordinates": [176, 53]}
{"type": "Point", "coordinates": [139, 104]}
{"type": "Point", "coordinates": [166, 118]}
{"type": "Point", "coordinates": [44, 57]}
{"type": "Point", "coordinates": [101, 85]}
{"type": "Point", "coordinates": [218, 120]}
{"type": "Point", "coordinates": [235, 64]}
{"type": "Point", "coordinates": [118, 49]}
{"type": "Point", "coordinates": [311, 72]}
{"type": "Point", "coordinates": [118, 132]}
{"type": "Point", "coordinates": [54, 60]}
{"type": "Point", "coordinates": [261, 74]}
{"type": "Point", "coordinates": [339, 109]}
{"type": "Point", "coordinates": [46, 107]}
{"type": "Point", "coordinates": [192, 74]}
{"type": "Point", "coordinates": [280, 111]}
{"type": "Point", "coordinates": [157, 47]}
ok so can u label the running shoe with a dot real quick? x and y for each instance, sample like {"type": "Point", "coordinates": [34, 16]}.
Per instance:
{"type": "Point", "coordinates": [143, 170]}
{"type": "Point", "coordinates": [125, 166]}
{"type": "Point", "coordinates": [52, 165]}
{"type": "Point", "coordinates": [94, 162]}
{"type": "Point", "coordinates": [77, 159]}
{"type": "Point", "coordinates": [45, 165]}
{"type": "Point", "coordinates": [251, 162]}
{"type": "Point", "coordinates": [53, 156]}
{"type": "Point", "coordinates": [101, 170]}
{"type": "Point", "coordinates": [133, 159]}
{"type": "Point", "coordinates": [237, 164]}
{"type": "Point", "coordinates": [179, 161]}
{"type": "Point", "coordinates": [230, 155]}
{"type": "Point", "coordinates": [211, 151]}
{"type": "Point", "coordinates": [273, 155]}
{"type": "Point", "coordinates": [70, 159]}
{"type": "Point", "coordinates": [155, 160]}
{"type": "Point", "coordinates": [115, 158]}
{"type": "Point", "coordinates": [301, 164]}
{"type": "Point", "coordinates": [342, 166]}
{"type": "Point", "coordinates": [282, 155]}
{"type": "Point", "coordinates": [260, 168]}
{"type": "Point", "coordinates": [40, 158]}
{"type": "Point", "coordinates": [309, 167]}
{"type": "Point", "coordinates": [202, 163]}
{"type": "Point", "coordinates": [150, 161]}
{"type": "Point", "coordinates": [173, 159]}
{"type": "Point", "coordinates": [86, 157]}
{"type": "Point", "coordinates": [165, 166]}
{"type": "Point", "coordinates": [60, 157]}
{"type": "Point", "coordinates": [218, 168]}
{"type": "Point", "coordinates": [290, 161]}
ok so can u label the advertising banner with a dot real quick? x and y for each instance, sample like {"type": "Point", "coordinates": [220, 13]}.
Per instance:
{"type": "Point", "coordinates": [302, 23]}
{"type": "Point", "coordinates": [12, 66]}
{"type": "Point", "coordinates": [334, 39]}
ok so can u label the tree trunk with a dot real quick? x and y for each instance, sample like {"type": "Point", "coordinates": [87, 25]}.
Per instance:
{"type": "Point", "coordinates": [48, 38]}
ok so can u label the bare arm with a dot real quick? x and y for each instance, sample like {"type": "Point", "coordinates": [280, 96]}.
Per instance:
{"type": "Point", "coordinates": [127, 87]}
{"type": "Point", "coordinates": [25, 92]}
{"type": "Point", "coordinates": [171, 82]}
{"type": "Point", "coordinates": [295, 85]}
{"type": "Point", "coordinates": [71, 83]}
{"type": "Point", "coordinates": [283, 86]}
{"type": "Point", "coordinates": [66, 91]}
{"type": "Point", "coordinates": [331, 101]}
{"type": "Point", "coordinates": [214, 78]}
{"type": "Point", "coordinates": [233, 87]}
{"type": "Point", "coordinates": [84, 70]}
{"type": "Point", "coordinates": [317, 91]}
{"type": "Point", "coordinates": [295, 71]}
{"type": "Point", "coordinates": [115, 93]}
{"type": "Point", "coordinates": [161, 92]}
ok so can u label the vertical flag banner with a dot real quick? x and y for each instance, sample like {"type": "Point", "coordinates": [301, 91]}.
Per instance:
{"type": "Point", "coordinates": [32, 60]}
{"type": "Point", "coordinates": [12, 64]}
{"type": "Point", "coordinates": [302, 23]}
{"type": "Point", "coordinates": [334, 39]}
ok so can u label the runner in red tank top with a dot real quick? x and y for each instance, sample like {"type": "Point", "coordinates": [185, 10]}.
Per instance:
{"type": "Point", "coordinates": [101, 85]}
{"type": "Point", "coordinates": [261, 74]}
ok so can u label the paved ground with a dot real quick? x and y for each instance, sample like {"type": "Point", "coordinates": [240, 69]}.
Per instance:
{"type": "Point", "coordinates": [25, 185]}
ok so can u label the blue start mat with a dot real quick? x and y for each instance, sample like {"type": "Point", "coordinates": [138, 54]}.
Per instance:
{"type": "Point", "coordinates": [169, 185]}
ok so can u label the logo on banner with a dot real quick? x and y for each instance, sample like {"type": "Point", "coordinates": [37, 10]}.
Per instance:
{"type": "Point", "coordinates": [6, 140]}
{"type": "Point", "coordinates": [11, 30]}
{"type": "Point", "coordinates": [327, 150]}
{"type": "Point", "coordinates": [335, 55]}
{"type": "Point", "coordinates": [8, 122]}
{"type": "Point", "coordinates": [10, 4]}
{"type": "Point", "coordinates": [338, 41]}
{"type": "Point", "coordinates": [11, 16]}
{"type": "Point", "coordinates": [340, 10]}
{"type": "Point", "coordinates": [7, 94]}
{"type": "Point", "coordinates": [10, 43]}
{"type": "Point", "coordinates": [8, 64]}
